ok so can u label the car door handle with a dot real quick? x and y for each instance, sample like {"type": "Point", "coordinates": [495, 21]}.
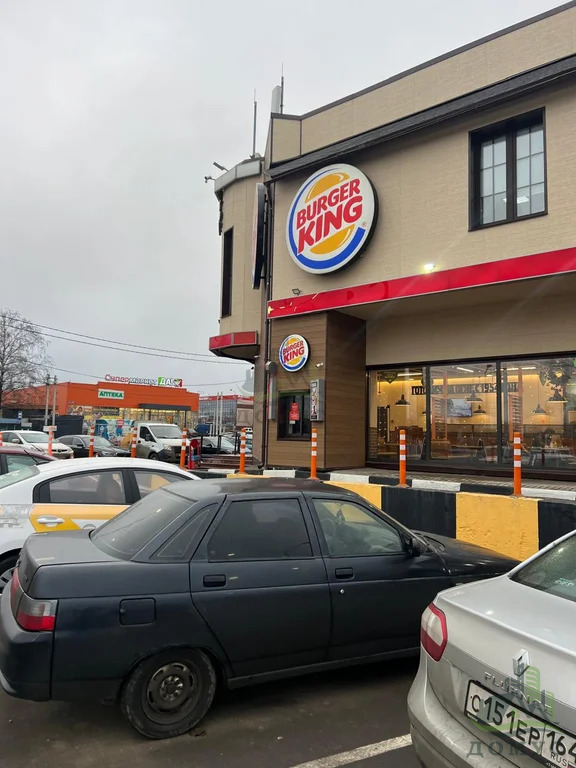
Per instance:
{"type": "Point", "coordinates": [344, 573]}
{"type": "Point", "coordinates": [215, 581]}
{"type": "Point", "coordinates": [50, 520]}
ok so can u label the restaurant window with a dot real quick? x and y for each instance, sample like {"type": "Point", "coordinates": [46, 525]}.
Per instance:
{"type": "Point", "coordinates": [397, 401]}
{"type": "Point", "coordinates": [463, 413]}
{"type": "Point", "coordinates": [508, 171]}
{"type": "Point", "coordinates": [227, 248]}
{"type": "Point", "coordinates": [538, 401]}
{"type": "Point", "coordinates": [294, 415]}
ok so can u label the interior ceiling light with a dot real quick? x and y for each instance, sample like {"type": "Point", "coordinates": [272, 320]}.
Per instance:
{"type": "Point", "coordinates": [402, 401]}
{"type": "Point", "coordinates": [539, 411]}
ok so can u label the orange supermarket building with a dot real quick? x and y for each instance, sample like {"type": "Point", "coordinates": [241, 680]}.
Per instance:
{"type": "Point", "coordinates": [117, 398]}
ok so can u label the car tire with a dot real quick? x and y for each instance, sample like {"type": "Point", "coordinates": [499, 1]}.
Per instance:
{"type": "Point", "coordinates": [7, 565]}
{"type": "Point", "coordinates": [153, 456]}
{"type": "Point", "coordinates": [150, 699]}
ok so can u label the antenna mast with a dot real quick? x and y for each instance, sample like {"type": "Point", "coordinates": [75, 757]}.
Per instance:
{"type": "Point", "coordinates": [254, 126]}
{"type": "Point", "coordinates": [282, 90]}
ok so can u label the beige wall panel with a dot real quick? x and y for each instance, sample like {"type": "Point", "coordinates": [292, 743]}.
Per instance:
{"type": "Point", "coordinates": [491, 62]}
{"type": "Point", "coordinates": [238, 213]}
{"type": "Point", "coordinates": [285, 139]}
{"type": "Point", "coordinates": [536, 325]}
{"type": "Point", "coordinates": [422, 186]}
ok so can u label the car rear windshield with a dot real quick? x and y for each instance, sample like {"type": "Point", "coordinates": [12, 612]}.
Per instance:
{"type": "Point", "coordinates": [17, 476]}
{"type": "Point", "coordinates": [553, 572]}
{"type": "Point", "coordinates": [126, 534]}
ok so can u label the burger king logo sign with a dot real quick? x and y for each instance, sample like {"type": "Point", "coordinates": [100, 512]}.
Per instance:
{"type": "Point", "coordinates": [331, 219]}
{"type": "Point", "coordinates": [294, 353]}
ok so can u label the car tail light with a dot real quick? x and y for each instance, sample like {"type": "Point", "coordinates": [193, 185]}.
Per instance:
{"type": "Point", "coordinates": [35, 615]}
{"type": "Point", "coordinates": [433, 632]}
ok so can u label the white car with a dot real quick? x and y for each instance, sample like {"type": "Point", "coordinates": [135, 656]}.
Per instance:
{"type": "Point", "coordinates": [37, 440]}
{"type": "Point", "coordinates": [495, 687]}
{"type": "Point", "coordinates": [71, 495]}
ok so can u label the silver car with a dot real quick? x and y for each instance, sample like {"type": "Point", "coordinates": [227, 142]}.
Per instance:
{"type": "Point", "coordinates": [496, 684]}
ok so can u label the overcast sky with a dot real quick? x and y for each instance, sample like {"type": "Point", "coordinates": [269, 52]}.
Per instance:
{"type": "Point", "coordinates": [111, 113]}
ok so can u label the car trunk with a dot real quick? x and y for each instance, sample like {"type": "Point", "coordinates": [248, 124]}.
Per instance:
{"type": "Point", "coordinates": [63, 548]}
{"type": "Point", "coordinates": [489, 625]}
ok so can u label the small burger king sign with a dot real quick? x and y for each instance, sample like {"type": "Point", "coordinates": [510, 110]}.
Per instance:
{"type": "Point", "coordinates": [294, 353]}
{"type": "Point", "coordinates": [331, 219]}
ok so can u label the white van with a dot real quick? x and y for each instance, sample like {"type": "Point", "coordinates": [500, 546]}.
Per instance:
{"type": "Point", "coordinates": [159, 441]}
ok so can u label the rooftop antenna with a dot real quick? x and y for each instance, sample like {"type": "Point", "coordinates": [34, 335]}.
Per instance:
{"type": "Point", "coordinates": [278, 96]}
{"type": "Point", "coordinates": [254, 127]}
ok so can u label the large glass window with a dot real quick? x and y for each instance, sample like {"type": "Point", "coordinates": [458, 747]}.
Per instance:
{"type": "Point", "coordinates": [465, 414]}
{"type": "Point", "coordinates": [397, 401]}
{"type": "Point", "coordinates": [509, 171]}
{"type": "Point", "coordinates": [538, 400]}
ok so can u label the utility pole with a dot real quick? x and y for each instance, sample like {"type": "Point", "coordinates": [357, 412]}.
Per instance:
{"type": "Point", "coordinates": [47, 401]}
{"type": "Point", "coordinates": [54, 401]}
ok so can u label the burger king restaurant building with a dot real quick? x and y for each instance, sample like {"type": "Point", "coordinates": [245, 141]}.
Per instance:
{"type": "Point", "coordinates": [405, 258]}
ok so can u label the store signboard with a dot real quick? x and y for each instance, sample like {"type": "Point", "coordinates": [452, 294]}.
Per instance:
{"type": "Point", "coordinates": [331, 219]}
{"type": "Point", "coordinates": [159, 381]}
{"type": "Point", "coordinates": [110, 394]}
{"type": "Point", "coordinates": [464, 389]}
{"type": "Point", "coordinates": [294, 353]}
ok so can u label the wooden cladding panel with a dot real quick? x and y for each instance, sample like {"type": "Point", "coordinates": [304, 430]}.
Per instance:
{"type": "Point", "coordinates": [345, 392]}
{"type": "Point", "coordinates": [296, 453]}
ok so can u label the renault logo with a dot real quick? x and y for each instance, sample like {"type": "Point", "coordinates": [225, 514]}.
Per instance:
{"type": "Point", "coordinates": [521, 663]}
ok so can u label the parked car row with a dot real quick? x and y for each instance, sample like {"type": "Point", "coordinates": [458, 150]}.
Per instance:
{"type": "Point", "coordinates": [244, 581]}
{"type": "Point", "coordinates": [238, 580]}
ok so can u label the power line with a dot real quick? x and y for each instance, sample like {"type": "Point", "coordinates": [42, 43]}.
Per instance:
{"type": "Point", "coordinates": [113, 341]}
{"type": "Point", "coordinates": [102, 378]}
{"type": "Point", "coordinates": [137, 352]}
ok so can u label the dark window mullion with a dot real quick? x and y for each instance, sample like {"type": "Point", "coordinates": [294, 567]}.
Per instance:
{"type": "Point", "coordinates": [510, 175]}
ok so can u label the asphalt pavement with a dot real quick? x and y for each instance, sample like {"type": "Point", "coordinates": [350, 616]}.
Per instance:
{"type": "Point", "coordinates": [353, 717]}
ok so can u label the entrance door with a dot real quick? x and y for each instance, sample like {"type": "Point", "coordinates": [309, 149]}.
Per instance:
{"type": "Point", "coordinates": [378, 590]}
{"type": "Point", "coordinates": [260, 583]}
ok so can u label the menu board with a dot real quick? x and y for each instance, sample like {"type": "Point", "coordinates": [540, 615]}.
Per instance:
{"type": "Point", "coordinates": [439, 414]}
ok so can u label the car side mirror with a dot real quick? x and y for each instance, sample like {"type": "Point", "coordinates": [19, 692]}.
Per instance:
{"type": "Point", "coordinates": [15, 440]}
{"type": "Point", "coordinates": [415, 548]}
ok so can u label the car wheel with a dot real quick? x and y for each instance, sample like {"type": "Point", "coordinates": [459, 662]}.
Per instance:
{"type": "Point", "coordinates": [153, 456]}
{"type": "Point", "coordinates": [7, 565]}
{"type": "Point", "coordinates": [168, 694]}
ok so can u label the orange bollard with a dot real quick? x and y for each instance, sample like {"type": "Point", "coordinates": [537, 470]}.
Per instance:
{"type": "Point", "coordinates": [402, 468]}
{"type": "Point", "coordinates": [242, 469]}
{"type": "Point", "coordinates": [91, 446]}
{"type": "Point", "coordinates": [134, 436]}
{"type": "Point", "coordinates": [1, 443]}
{"type": "Point", "coordinates": [517, 464]}
{"type": "Point", "coordinates": [50, 440]}
{"type": "Point", "coordinates": [183, 450]}
{"type": "Point", "coordinates": [314, 455]}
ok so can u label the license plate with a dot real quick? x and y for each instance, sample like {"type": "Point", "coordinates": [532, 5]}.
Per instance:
{"type": "Point", "coordinates": [536, 737]}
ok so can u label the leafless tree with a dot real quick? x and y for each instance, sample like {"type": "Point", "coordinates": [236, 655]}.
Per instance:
{"type": "Point", "coordinates": [24, 360]}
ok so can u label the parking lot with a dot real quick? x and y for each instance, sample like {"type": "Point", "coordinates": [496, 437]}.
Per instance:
{"type": "Point", "coordinates": [351, 716]}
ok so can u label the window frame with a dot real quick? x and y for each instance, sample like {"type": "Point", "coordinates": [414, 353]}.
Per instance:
{"type": "Point", "coordinates": [381, 516]}
{"type": "Point", "coordinates": [227, 272]}
{"type": "Point", "coordinates": [304, 510]}
{"type": "Point", "coordinates": [41, 492]}
{"type": "Point", "coordinates": [509, 129]}
{"type": "Point", "coordinates": [159, 471]}
{"type": "Point", "coordinates": [304, 436]}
